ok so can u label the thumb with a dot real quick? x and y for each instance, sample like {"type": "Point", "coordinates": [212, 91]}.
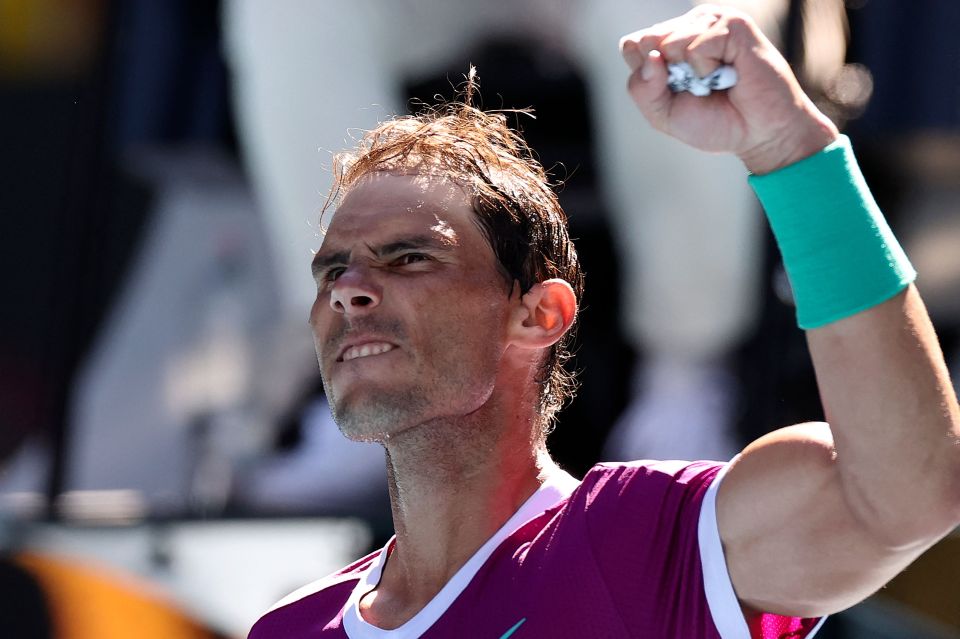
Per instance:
{"type": "Point", "coordinates": [648, 87]}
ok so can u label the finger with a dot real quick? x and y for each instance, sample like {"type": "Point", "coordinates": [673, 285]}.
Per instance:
{"type": "Point", "coordinates": [731, 35]}
{"type": "Point", "coordinates": [662, 28]}
{"type": "Point", "coordinates": [695, 24]}
{"type": "Point", "coordinates": [649, 39]}
{"type": "Point", "coordinates": [630, 51]}
{"type": "Point", "coordinates": [637, 46]}
{"type": "Point", "coordinates": [674, 46]}
{"type": "Point", "coordinates": [648, 88]}
{"type": "Point", "coordinates": [631, 38]}
{"type": "Point", "coordinates": [708, 51]}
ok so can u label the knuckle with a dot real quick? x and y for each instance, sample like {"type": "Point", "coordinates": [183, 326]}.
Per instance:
{"type": "Point", "coordinates": [738, 21]}
{"type": "Point", "coordinates": [675, 50]}
{"type": "Point", "coordinates": [648, 41]}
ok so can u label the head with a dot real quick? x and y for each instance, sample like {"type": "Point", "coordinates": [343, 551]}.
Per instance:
{"type": "Point", "coordinates": [511, 203]}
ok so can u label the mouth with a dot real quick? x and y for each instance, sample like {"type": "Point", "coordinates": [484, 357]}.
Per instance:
{"type": "Point", "coordinates": [367, 349]}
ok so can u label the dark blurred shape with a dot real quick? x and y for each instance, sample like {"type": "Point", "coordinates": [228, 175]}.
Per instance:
{"type": "Point", "coordinates": [908, 139]}
{"type": "Point", "coordinates": [913, 52]}
{"type": "Point", "coordinates": [49, 117]}
{"type": "Point", "coordinates": [170, 83]}
{"type": "Point", "coordinates": [82, 84]}
{"type": "Point", "coordinates": [929, 585]}
{"type": "Point", "coordinates": [24, 610]}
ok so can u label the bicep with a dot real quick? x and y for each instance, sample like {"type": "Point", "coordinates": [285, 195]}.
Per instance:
{"type": "Point", "coordinates": [792, 544]}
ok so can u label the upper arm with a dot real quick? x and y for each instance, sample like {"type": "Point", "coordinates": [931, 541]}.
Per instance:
{"type": "Point", "coordinates": [792, 544]}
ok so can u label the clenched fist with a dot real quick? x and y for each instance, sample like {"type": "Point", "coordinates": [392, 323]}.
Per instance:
{"type": "Point", "coordinates": [766, 119]}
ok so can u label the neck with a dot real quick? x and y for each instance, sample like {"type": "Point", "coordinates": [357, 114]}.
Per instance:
{"type": "Point", "coordinates": [453, 484]}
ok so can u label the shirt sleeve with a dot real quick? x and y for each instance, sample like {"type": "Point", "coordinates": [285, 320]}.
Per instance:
{"type": "Point", "coordinates": [653, 534]}
{"type": "Point", "coordinates": [722, 599]}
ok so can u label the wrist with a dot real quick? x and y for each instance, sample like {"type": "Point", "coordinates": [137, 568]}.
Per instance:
{"type": "Point", "coordinates": [839, 253]}
{"type": "Point", "coordinates": [807, 135]}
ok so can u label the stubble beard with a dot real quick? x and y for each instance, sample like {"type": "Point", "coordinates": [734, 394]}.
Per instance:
{"type": "Point", "coordinates": [376, 420]}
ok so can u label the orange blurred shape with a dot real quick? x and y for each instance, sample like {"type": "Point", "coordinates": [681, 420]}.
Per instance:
{"type": "Point", "coordinates": [90, 601]}
{"type": "Point", "coordinates": [49, 38]}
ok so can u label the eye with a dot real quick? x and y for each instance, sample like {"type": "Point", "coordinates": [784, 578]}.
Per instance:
{"type": "Point", "coordinates": [333, 273]}
{"type": "Point", "coordinates": [411, 258]}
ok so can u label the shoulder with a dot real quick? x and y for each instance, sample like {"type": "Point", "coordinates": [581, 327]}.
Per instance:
{"type": "Point", "coordinates": [643, 500]}
{"type": "Point", "coordinates": [650, 478]}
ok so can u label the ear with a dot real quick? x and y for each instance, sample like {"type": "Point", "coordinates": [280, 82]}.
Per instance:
{"type": "Point", "coordinates": [543, 314]}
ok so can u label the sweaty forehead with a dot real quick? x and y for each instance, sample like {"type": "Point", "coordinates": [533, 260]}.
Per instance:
{"type": "Point", "coordinates": [387, 202]}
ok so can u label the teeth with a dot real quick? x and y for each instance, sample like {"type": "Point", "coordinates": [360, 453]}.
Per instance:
{"type": "Point", "coordinates": [365, 350]}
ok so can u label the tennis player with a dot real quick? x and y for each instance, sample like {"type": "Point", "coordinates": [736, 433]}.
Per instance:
{"type": "Point", "coordinates": [447, 289]}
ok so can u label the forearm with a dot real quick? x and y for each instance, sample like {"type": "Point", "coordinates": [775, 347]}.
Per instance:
{"type": "Point", "coordinates": [894, 419]}
{"type": "Point", "coordinates": [815, 521]}
{"type": "Point", "coordinates": [883, 383]}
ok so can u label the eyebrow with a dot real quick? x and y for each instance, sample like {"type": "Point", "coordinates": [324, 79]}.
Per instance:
{"type": "Point", "coordinates": [322, 261]}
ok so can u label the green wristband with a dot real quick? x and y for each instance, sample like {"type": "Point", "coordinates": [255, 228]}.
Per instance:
{"type": "Point", "coordinates": [839, 253]}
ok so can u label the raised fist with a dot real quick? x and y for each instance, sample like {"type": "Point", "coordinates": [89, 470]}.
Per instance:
{"type": "Point", "coordinates": [766, 119]}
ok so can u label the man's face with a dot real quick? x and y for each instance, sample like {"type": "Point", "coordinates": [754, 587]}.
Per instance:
{"type": "Point", "coordinates": [411, 312]}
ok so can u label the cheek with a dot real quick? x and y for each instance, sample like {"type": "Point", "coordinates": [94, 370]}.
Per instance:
{"type": "Point", "coordinates": [319, 320]}
{"type": "Point", "coordinates": [469, 336]}
{"type": "Point", "coordinates": [319, 303]}
{"type": "Point", "coordinates": [315, 321]}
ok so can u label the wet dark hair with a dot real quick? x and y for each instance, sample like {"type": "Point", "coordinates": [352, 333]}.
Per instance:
{"type": "Point", "coordinates": [516, 206]}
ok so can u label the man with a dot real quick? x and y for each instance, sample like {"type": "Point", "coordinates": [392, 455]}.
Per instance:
{"type": "Point", "coordinates": [446, 288]}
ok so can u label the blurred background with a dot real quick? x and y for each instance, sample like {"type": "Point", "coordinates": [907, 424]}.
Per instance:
{"type": "Point", "coordinates": [168, 465]}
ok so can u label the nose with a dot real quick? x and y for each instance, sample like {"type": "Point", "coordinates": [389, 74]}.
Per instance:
{"type": "Point", "coordinates": [355, 291]}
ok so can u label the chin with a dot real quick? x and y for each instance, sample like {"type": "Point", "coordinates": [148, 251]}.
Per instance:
{"type": "Point", "coordinates": [374, 412]}
{"type": "Point", "coordinates": [367, 419]}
